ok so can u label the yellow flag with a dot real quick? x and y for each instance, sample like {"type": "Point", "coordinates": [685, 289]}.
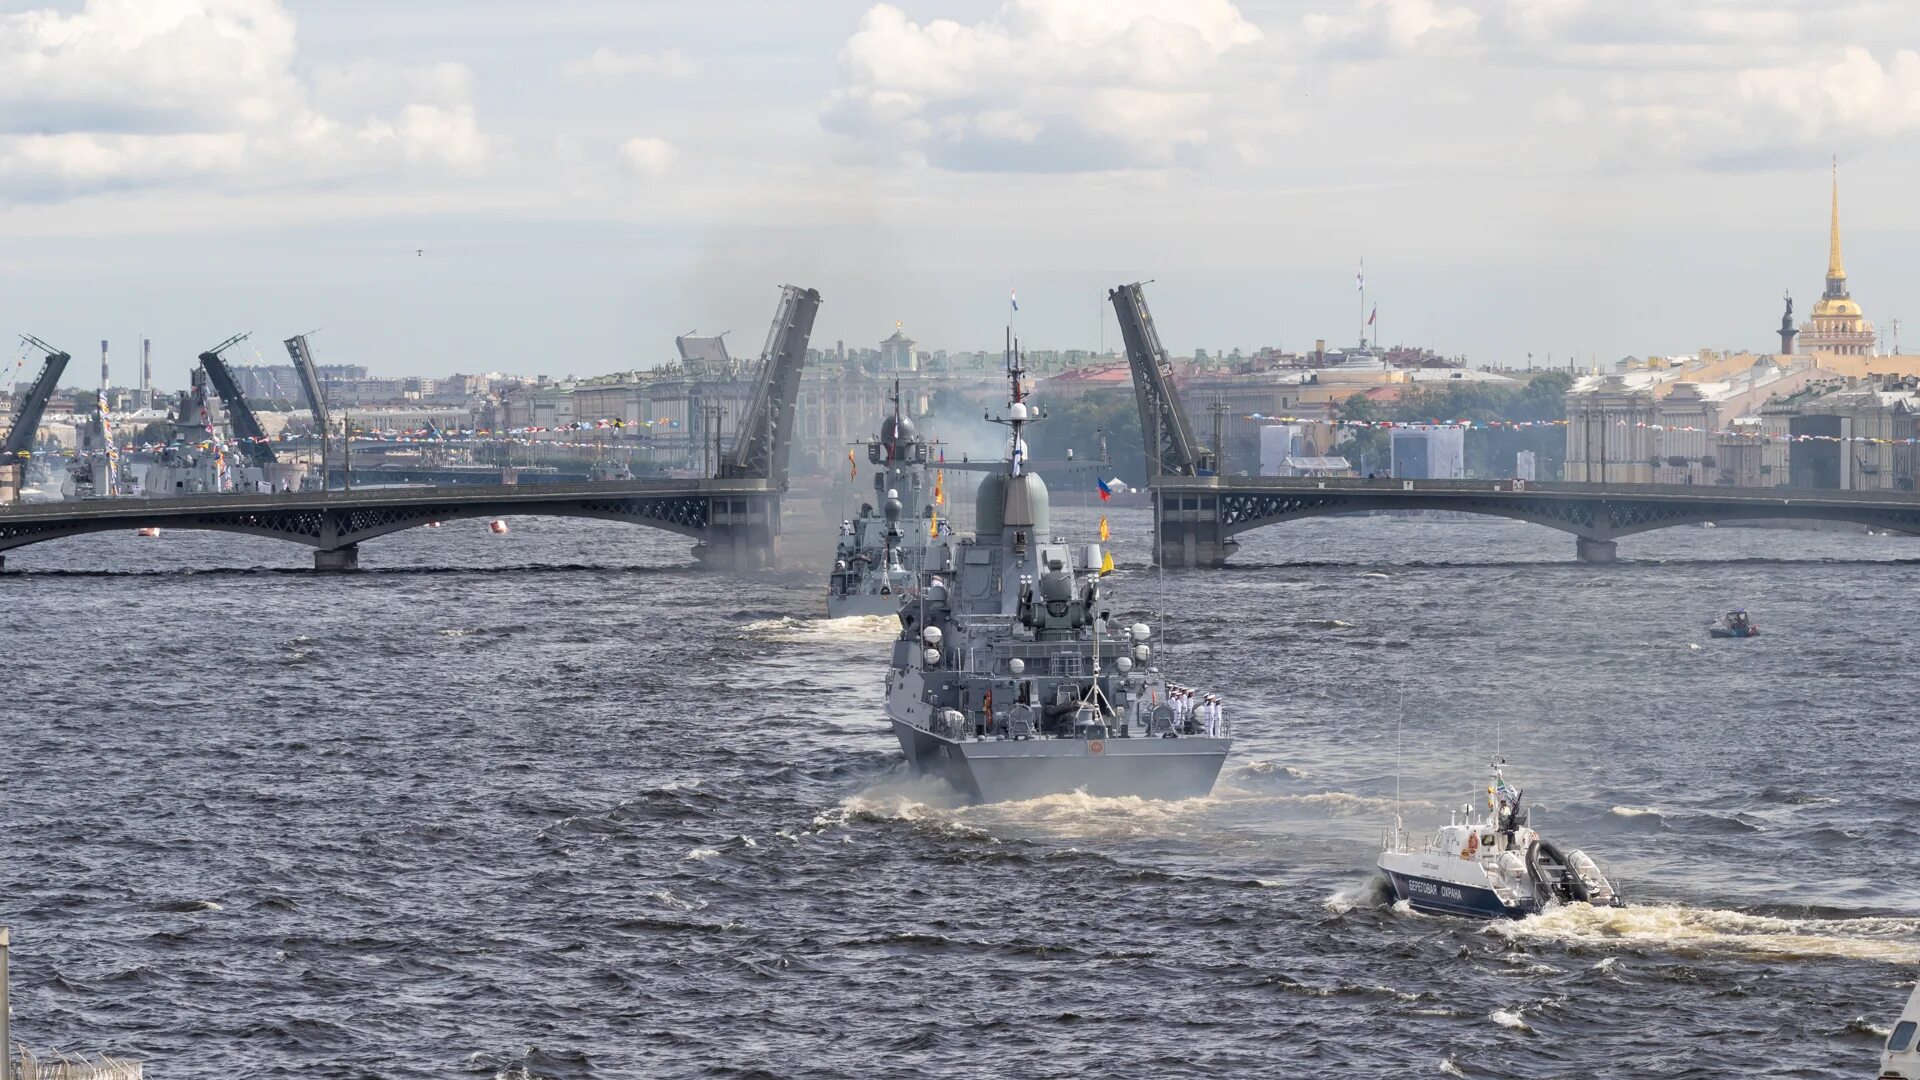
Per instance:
{"type": "Point", "coordinates": [940, 488]}
{"type": "Point", "coordinates": [1106, 562]}
{"type": "Point", "coordinates": [1105, 533]}
{"type": "Point", "coordinates": [853, 469]}
{"type": "Point", "coordinates": [933, 527]}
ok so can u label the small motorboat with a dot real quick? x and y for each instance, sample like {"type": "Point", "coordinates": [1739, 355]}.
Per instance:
{"type": "Point", "coordinates": [148, 533]}
{"type": "Point", "coordinates": [497, 527]}
{"type": "Point", "coordinates": [1735, 624]}
{"type": "Point", "coordinates": [1900, 1058]}
{"type": "Point", "coordinates": [1492, 866]}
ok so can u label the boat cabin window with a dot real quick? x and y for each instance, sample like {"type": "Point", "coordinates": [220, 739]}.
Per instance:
{"type": "Point", "coordinates": [1902, 1036]}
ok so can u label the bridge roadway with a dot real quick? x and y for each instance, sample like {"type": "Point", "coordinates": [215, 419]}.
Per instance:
{"type": "Point", "coordinates": [737, 521]}
{"type": "Point", "coordinates": [1197, 517]}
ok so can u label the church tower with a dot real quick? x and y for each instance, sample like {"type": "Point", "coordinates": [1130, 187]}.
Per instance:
{"type": "Point", "coordinates": [1837, 326]}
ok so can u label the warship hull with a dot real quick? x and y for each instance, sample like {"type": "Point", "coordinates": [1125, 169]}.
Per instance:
{"type": "Point", "coordinates": [1007, 770]}
{"type": "Point", "coordinates": [840, 607]}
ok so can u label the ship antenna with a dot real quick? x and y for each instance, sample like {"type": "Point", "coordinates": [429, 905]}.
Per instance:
{"type": "Point", "coordinates": [1398, 723]}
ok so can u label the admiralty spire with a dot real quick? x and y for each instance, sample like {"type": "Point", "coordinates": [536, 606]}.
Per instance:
{"type": "Point", "coordinates": [1837, 325]}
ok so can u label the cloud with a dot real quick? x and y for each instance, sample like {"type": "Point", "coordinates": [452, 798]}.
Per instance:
{"type": "Point", "coordinates": [1382, 28]}
{"type": "Point", "coordinates": [648, 157]}
{"type": "Point", "coordinates": [1772, 115]}
{"type": "Point", "coordinates": [608, 63]}
{"type": "Point", "coordinates": [1717, 84]}
{"type": "Point", "coordinates": [1050, 85]}
{"type": "Point", "coordinates": [142, 93]}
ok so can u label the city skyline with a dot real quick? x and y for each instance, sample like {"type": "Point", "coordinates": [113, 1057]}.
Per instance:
{"type": "Point", "coordinates": [465, 194]}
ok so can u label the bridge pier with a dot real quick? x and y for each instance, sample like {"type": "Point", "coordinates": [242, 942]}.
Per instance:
{"type": "Point", "coordinates": [1188, 530]}
{"type": "Point", "coordinates": [743, 533]}
{"type": "Point", "coordinates": [337, 559]}
{"type": "Point", "coordinates": [1595, 551]}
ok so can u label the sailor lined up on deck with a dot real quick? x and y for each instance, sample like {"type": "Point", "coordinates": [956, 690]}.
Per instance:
{"type": "Point", "coordinates": [1215, 717]}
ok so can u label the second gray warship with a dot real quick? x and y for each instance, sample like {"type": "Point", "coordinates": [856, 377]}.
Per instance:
{"type": "Point", "coordinates": [880, 549]}
{"type": "Point", "coordinates": [1010, 679]}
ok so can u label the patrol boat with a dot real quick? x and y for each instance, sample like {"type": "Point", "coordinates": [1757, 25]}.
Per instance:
{"type": "Point", "coordinates": [1493, 866]}
{"type": "Point", "coordinates": [1735, 624]}
{"type": "Point", "coordinates": [1900, 1057]}
{"type": "Point", "coordinates": [1011, 680]}
{"type": "Point", "coordinates": [879, 554]}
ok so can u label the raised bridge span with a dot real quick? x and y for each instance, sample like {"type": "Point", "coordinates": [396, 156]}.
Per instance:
{"type": "Point", "coordinates": [736, 520]}
{"type": "Point", "coordinates": [1196, 517]}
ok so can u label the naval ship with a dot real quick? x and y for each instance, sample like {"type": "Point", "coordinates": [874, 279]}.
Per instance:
{"type": "Point", "coordinates": [1011, 680]}
{"type": "Point", "coordinates": [879, 554]}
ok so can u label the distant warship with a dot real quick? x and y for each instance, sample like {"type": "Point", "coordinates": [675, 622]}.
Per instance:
{"type": "Point", "coordinates": [879, 554]}
{"type": "Point", "coordinates": [1010, 680]}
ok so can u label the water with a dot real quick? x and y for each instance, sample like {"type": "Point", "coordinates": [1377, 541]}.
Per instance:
{"type": "Point", "coordinates": [554, 805]}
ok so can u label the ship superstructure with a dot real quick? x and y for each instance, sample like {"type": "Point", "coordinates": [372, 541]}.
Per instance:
{"type": "Point", "coordinates": [880, 550]}
{"type": "Point", "coordinates": [1011, 679]}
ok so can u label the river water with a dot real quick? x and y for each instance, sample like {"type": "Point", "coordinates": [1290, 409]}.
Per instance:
{"type": "Point", "coordinates": [553, 804]}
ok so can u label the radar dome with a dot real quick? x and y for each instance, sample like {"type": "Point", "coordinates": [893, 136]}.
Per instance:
{"type": "Point", "coordinates": [897, 432]}
{"type": "Point", "coordinates": [1013, 502]}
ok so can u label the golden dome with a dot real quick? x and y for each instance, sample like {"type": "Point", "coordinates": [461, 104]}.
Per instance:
{"type": "Point", "coordinates": [1836, 306]}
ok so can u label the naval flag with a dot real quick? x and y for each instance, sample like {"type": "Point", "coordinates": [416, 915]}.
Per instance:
{"type": "Point", "coordinates": [1013, 298]}
{"type": "Point", "coordinates": [1105, 491]}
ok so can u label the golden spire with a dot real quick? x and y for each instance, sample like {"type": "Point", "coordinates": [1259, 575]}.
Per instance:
{"type": "Point", "coordinates": [1834, 269]}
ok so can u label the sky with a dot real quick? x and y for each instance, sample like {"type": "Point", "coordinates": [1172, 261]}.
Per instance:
{"type": "Point", "coordinates": [560, 187]}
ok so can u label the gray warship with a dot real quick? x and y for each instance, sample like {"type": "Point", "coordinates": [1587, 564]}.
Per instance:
{"type": "Point", "coordinates": [1010, 679]}
{"type": "Point", "coordinates": [880, 551]}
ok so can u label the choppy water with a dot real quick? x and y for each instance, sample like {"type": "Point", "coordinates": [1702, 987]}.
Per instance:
{"type": "Point", "coordinates": [554, 805]}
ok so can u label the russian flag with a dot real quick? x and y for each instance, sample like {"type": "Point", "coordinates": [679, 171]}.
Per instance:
{"type": "Point", "coordinates": [1013, 297]}
{"type": "Point", "coordinates": [1105, 491]}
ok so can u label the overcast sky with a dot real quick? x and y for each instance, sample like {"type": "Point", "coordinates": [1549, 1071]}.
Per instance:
{"type": "Point", "coordinates": [560, 187]}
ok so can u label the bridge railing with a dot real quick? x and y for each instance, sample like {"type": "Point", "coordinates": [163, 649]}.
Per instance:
{"type": "Point", "coordinates": [1506, 486]}
{"type": "Point", "coordinates": [384, 496]}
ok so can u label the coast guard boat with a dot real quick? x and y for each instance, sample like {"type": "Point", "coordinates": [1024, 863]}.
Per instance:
{"type": "Point", "coordinates": [1492, 866]}
{"type": "Point", "coordinates": [879, 554]}
{"type": "Point", "coordinates": [1900, 1058]}
{"type": "Point", "coordinates": [1011, 679]}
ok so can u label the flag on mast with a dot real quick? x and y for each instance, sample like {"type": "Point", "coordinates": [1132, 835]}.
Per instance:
{"type": "Point", "coordinates": [1105, 533]}
{"type": "Point", "coordinates": [1013, 297]}
{"type": "Point", "coordinates": [1105, 491]}
{"type": "Point", "coordinates": [940, 488]}
{"type": "Point", "coordinates": [853, 468]}
{"type": "Point", "coordinates": [1106, 563]}
{"type": "Point", "coordinates": [1360, 278]}
{"type": "Point", "coordinates": [1371, 314]}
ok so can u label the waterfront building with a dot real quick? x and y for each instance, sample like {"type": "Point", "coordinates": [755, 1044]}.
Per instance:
{"type": "Point", "coordinates": [1851, 434]}
{"type": "Point", "coordinates": [1428, 452]}
{"type": "Point", "coordinates": [898, 353]}
{"type": "Point", "coordinates": [1669, 423]}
